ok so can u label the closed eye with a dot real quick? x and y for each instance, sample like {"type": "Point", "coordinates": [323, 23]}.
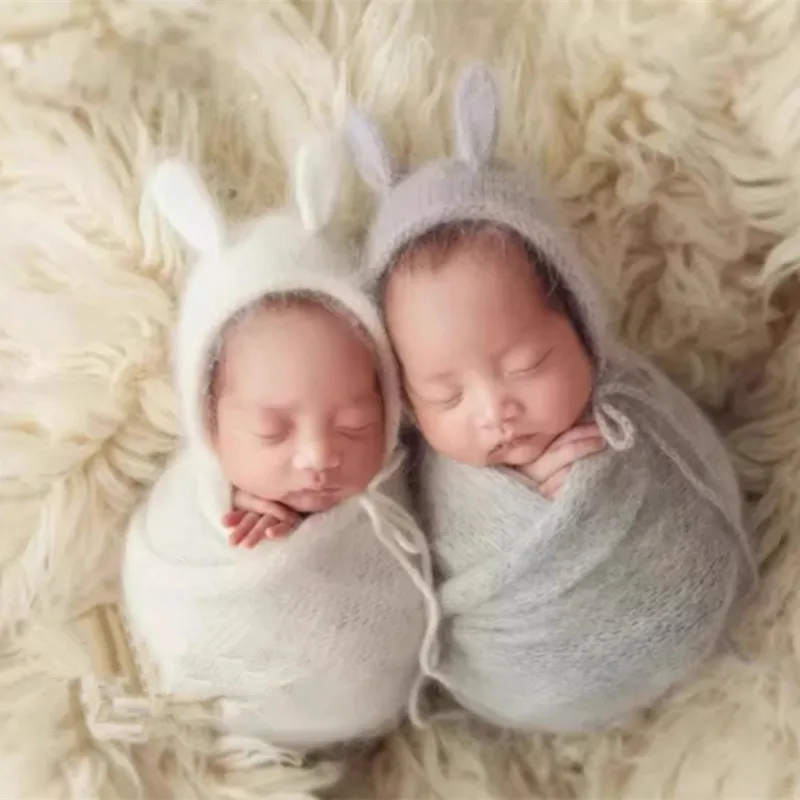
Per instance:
{"type": "Point", "coordinates": [271, 438]}
{"type": "Point", "coordinates": [529, 370]}
{"type": "Point", "coordinates": [448, 402]}
{"type": "Point", "coordinates": [356, 433]}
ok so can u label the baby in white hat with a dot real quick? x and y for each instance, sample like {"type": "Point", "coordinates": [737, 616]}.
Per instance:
{"type": "Point", "coordinates": [288, 396]}
{"type": "Point", "coordinates": [584, 515]}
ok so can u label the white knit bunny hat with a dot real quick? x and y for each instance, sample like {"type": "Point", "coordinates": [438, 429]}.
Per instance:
{"type": "Point", "coordinates": [281, 252]}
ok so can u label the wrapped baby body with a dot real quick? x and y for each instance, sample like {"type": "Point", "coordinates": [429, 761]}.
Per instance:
{"type": "Point", "coordinates": [309, 640]}
{"type": "Point", "coordinates": [573, 613]}
{"type": "Point", "coordinates": [573, 594]}
{"type": "Point", "coordinates": [288, 393]}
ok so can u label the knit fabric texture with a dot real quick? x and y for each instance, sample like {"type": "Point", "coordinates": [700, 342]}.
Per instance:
{"type": "Point", "coordinates": [565, 615]}
{"type": "Point", "coordinates": [317, 639]}
{"type": "Point", "coordinates": [570, 615]}
{"type": "Point", "coordinates": [308, 641]}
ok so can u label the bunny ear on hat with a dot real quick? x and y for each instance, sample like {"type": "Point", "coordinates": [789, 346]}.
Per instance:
{"type": "Point", "coordinates": [184, 201]}
{"type": "Point", "coordinates": [476, 111]}
{"type": "Point", "coordinates": [316, 182]}
{"type": "Point", "coordinates": [370, 155]}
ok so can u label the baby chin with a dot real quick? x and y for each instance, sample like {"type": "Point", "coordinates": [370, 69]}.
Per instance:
{"type": "Point", "coordinates": [317, 501]}
{"type": "Point", "coordinates": [314, 502]}
{"type": "Point", "coordinates": [518, 452]}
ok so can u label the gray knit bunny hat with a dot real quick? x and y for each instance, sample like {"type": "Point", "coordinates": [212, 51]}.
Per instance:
{"type": "Point", "coordinates": [472, 186]}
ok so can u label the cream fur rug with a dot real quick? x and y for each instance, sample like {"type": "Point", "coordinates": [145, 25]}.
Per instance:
{"type": "Point", "coordinates": [672, 132]}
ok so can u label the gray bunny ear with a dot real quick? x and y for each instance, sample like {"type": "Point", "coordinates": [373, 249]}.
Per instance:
{"type": "Point", "coordinates": [476, 115]}
{"type": "Point", "coordinates": [370, 156]}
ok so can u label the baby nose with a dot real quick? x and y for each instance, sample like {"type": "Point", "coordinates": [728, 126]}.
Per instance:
{"type": "Point", "coordinates": [495, 409]}
{"type": "Point", "coordinates": [316, 453]}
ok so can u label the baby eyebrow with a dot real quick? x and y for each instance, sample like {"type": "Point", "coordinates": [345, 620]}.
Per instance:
{"type": "Point", "coordinates": [435, 377]}
{"type": "Point", "coordinates": [537, 358]}
{"type": "Point", "coordinates": [364, 399]}
{"type": "Point", "coordinates": [425, 393]}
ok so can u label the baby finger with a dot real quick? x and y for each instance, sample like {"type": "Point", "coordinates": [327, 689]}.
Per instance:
{"type": "Point", "coordinates": [553, 461]}
{"type": "Point", "coordinates": [588, 430]}
{"type": "Point", "coordinates": [273, 510]}
{"type": "Point", "coordinates": [554, 484]}
{"type": "Point", "coordinates": [258, 532]}
{"type": "Point", "coordinates": [243, 528]}
{"type": "Point", "coordinates": [279, 530]}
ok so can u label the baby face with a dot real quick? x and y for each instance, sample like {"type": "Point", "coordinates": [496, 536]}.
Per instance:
{"type": "Point", "coordinates": [299, 415]}
{"type": "Point", "coordinates": [493, 371]}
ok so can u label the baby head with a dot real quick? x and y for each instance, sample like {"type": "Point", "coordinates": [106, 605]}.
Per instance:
{"type": "Point", "coordinates": [493, 368]}
{"type": "Point", "coordinates": [493, 315]}
{"type": "Point", "coordinates": [287, 383]}
{"type": "Point", "coordinates": [295, 403]}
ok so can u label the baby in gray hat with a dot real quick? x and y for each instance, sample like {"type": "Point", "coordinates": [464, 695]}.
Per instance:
{"type": "Point", "coordinates": [584, 515]}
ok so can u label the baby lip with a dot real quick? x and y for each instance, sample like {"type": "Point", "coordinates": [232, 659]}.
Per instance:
{"type": "Point", "coordinates": [505, 443]}
{"type": "Point", "coordinates": [509, 442]}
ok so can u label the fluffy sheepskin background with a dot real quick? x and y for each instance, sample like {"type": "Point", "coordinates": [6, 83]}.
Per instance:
{"type": "Point", "coordinates": [671, 131]}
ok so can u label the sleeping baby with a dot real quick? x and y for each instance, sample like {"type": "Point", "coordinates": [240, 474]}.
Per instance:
{"type": "Point", "coordinates": [289, 395]}
{"type": "Point", "coordinates": [585, 518]}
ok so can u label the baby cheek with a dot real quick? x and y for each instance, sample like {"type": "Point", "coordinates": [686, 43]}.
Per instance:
{"type": "Point", "coordinates": [253, 469]}
{"type": "Point", "coordinates": [446, 430]}
{"type": "Point", "coordinates": [362, 461]}
{"type": "Point", "coordinates": [568, 395]}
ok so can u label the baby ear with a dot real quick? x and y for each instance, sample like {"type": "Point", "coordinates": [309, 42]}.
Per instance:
{"type": "Point", "coordinates": [370, 156]}
{"type": "Point", "coordinates": [316, 182]}
{"type": "Point", "coordinates": [183, 200]}
{"type": "Point", "coordinates": [476, 113]}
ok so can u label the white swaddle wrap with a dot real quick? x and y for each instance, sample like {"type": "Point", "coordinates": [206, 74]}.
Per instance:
{"type": "Point", "coordinates": [310, 641]}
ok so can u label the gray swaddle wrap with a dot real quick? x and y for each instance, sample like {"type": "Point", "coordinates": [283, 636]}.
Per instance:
{"type": "Point", "coordinates": [572, 614]}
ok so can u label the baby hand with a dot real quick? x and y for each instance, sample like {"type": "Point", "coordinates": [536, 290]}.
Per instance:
{"type": "Point", "coordinates": [254, 519]}
{"type": "Point", "coordinates": [551, 469]}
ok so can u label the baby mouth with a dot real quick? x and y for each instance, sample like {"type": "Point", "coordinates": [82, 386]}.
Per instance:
{"type": "Point", "coordinates": [319, 491]}
{"type": "Point", "coordinates": [511, 443]}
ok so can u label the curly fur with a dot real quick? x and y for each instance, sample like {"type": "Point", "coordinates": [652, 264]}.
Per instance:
{"type": "Point", "coordinates": [670, 132]}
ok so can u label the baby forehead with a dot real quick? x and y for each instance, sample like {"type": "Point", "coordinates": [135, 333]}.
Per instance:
{"type": "Point", "coordinates": [294, 322]}
{"type": "Point", "coordinates": [289, 341]}
{"type": "Point", "coordinates": [484, 277]}
{"type": "Point", "coordinates": [479, 247]}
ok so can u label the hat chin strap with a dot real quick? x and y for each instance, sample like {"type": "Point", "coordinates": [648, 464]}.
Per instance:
{"type": "Point", "coordinates": [399, 532]}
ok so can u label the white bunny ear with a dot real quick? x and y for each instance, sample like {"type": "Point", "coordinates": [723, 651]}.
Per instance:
{"type": "Point", "coordinates": [182, 198]}
{"type": "Point", "coordinates": [476, 112]}
{"type": "Point", "coordinates": [316, 182]}
{"type": "Point", "coordinates": [370, 156]}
